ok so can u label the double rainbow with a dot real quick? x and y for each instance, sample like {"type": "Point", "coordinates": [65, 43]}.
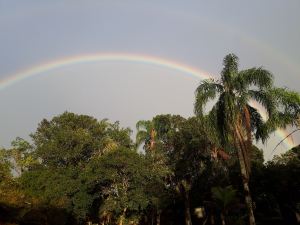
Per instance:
{"type": "Point", "coordinates": [115, 57]}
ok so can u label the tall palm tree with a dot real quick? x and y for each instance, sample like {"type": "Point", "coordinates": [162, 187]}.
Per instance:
{"type": "Point", "coordinates": [236, 120]}
{"type": "Point", "coordinates": [145, 134]}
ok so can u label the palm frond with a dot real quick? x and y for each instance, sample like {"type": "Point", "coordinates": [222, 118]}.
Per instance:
{"type": "Point", "coordinates": [141, 137]}
{"type": "Point", "coordinates": [210, 122]}
{"type": "Point", "coordinates": [226, 112]}
{"type": "Point", "coordinates": [224, 196]}
{"type": "Point", "coordinates": [266, 99]}
{"type": "Point", "coordinates": [288, 101]}
{"type": "Point", "coordinates": [144, 128]}
{"type": "Point", "coordinates": [144, 125]}
{"type": "Point", "coordinates": [287, 108]}
{"type": "Point", "coordinates": [206, 91]}
{"type": "Point", "coordinates": [258, 77]}
{"type": "Point", "coordinates": [258, 126]}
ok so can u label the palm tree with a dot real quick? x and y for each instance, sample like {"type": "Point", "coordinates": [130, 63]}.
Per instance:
{"type": "Point", "coordinates": [224, 198]}
{"type": "Point", "coordinates": [145, 134]}
{"type": "Point", "coordinates": [236, 121]}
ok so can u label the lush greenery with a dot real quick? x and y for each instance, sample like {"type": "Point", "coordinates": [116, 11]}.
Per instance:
{"type": "Point", "coordinates": [199, 170]}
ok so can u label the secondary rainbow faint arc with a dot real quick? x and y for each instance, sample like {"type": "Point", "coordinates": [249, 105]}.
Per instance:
{"type": "Point", "coordinates": [102, 57]}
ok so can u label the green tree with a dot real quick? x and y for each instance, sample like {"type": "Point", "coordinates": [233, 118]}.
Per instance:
{"type": "Point", "coordinates": [292, 155]}
{"type": "Point", "coordinates": [224, 198]}
{"type": "Point", "coordinates": [64, 147]}
{"type": "Point", "coordinates": [185, 146]}
{"type": "Point", "coordinates": [160, 193]}
{"type": "Point", "coordinates": [12, 198]}
{"type": "Point", "coordinates": [21, 155]}
{"type": "Point", "coordinates": [5, 165]}
{"type": "Point", "coordinates": [145, 134]}
{"type": "Point", "coordinates": [236, 120]}
{"type": "Point", "coordinates": [126, 181]}
{"type": "Point", "coordinates": [276, 189]}
{"type": "Point", "coordinates": [69, 139]}
{"type": "Point", "coordinates": [188, 150]}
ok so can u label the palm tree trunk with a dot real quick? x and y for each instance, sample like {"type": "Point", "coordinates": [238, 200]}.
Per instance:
{"type": "Point", "coordinates": [212, 219]}
{"type": "Point", "coordinates": [122, 217]}
{"type": "Point", "coordinates": [158, 218]}
{"type": "Point", "coordinates": [223, 218]}
{"type": "Point", "coordinates": [245, 180]}
{"type": "Point", "coordinates": [152, 217]}
{"type": "Point", "coordinates": [241, 150]}
{"type": "Point", "coordinates": [186, 200]}
{"type": "Point", "coordinates": [187, 212]}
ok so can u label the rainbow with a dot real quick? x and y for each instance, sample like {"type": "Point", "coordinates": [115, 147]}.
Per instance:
{"type": "Point", "coordinates": [115, 57]}
{"type": "Point", "coordinates": [103, 57]}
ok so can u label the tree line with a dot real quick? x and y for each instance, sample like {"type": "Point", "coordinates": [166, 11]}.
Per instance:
{"type": "Point", "coordinates": [199, 170]}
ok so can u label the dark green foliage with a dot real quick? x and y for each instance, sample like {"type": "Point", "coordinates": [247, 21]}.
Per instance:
{"type": "Point", "coordinates": [5, 165]}
{"type": "Point", "coordinates": [64, 148]}
{"type": "Point", "coordinates": [61, 188]}
{"type": "Point", "coordinates": [224, 197]}
{"type": "Point", "coordinates": [68, 139]}
{"type": "Point", "coordinates": [83, 164]}
{"type": "Point", "coordinates": [122, 177]}
{"type": "Point", "coordinates": [276, 189]}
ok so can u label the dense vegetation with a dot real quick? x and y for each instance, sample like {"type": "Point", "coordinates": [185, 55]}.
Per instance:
{"type": "Point", "coordinates": [199, 170]}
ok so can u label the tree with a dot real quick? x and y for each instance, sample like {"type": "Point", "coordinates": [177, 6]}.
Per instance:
{"type": "Point", "coordinates": [12, 198]}
{"type": "Point", "coordinates": [64, 147]}
{"type": "Point", "coordinates": [145, 134]}
{"type": "Point", "coordinates": [236, 120]}
{"type": "Point", "coordinates": [21, 155]}
{"type": "Point", "coordinates": [5, 165]}
{"type": "Point", "coordinates": [125, 180]}
{"type": "Point", "coordinates": [276, 189]}
{"type": "Point", "coordinates": [160, 192]}
{"type": "Point", "coordinates": [224, 198]}
{"type": "Point", "coordinates": [292, 155]}
{"type": "Point", "coordinates": [185, 145]}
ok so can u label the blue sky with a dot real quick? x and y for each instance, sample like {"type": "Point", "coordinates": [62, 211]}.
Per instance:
{"type": "Point", "coordinates": [196, 33]}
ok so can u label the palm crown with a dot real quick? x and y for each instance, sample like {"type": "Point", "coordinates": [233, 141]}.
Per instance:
{"type": "Point", "coordinates": [236, 92]}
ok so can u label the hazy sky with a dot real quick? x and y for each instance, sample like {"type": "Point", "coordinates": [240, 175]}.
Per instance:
{"type": "Point", "coordinates": [196, 33]}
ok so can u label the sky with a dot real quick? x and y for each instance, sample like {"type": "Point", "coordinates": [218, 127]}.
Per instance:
{"type": "Point", "coordinates": [197, 34]}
